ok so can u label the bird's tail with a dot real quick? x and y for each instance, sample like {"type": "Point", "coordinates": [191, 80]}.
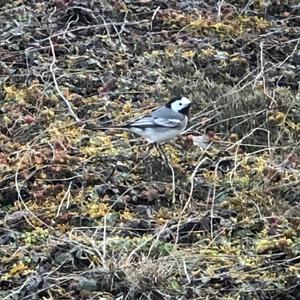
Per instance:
{"type": "Point", "coordinates": [117, 127]}
{"type": "Point", "coordinates": [98, 126]}
{"type": "Point", "coordinates": [121, 127]}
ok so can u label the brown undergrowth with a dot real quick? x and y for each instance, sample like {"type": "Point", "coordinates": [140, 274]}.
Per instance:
{"type": "Point", "coordinates": [92, 213]}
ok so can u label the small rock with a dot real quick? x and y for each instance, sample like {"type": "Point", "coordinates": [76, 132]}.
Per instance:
{"type": "Point", "coordinates": [87, 284]}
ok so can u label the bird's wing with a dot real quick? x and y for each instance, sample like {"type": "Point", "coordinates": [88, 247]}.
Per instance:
{"type": "Point", "coordinates": [167, 122]}
{"type": "Point", "coordinates": [167, 117]}
{"type": "Point", "coordinates": [150, 121]}
{"type": "Point", "coordinates": [162, 117]}
{"type": "Point", "coordinates": [146, 121]}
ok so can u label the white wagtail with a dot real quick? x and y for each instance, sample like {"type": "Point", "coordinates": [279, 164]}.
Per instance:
{"type": "Point", "coordinates": [164, 123]}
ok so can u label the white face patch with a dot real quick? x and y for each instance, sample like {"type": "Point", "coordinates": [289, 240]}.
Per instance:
{"type": "Point", "coordinates": [180, 104]}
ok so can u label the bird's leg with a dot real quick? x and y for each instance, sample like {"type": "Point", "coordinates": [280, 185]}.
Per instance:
{"type": "Point", "coordinates": [167, 162]}
{"type": "Point", "coordinates": [162, 154]}
{"type": "Point", "coordinates": [148, 152]}
{"type": "Point", "coordinates": [161, 150]}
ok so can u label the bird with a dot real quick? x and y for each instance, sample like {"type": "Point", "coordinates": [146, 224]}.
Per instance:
{"type": "Point", "coordinates": [162, 124]}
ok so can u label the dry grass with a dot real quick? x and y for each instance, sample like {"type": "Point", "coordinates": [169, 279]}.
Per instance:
{"type": "Point", "coordinates": [85, 215]}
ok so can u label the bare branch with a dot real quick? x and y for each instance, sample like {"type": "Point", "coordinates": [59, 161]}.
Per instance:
{"type": "Point", "coordinates": [68, 104]}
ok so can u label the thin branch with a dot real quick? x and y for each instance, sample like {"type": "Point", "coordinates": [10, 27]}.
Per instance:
{"type": "Point", "coordinates": [68, 104]}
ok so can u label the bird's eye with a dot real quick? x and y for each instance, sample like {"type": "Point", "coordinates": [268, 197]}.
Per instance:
{"type": "Point", "coordinates": [180, 103]}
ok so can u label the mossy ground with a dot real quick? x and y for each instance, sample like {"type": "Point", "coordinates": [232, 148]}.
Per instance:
{"type": "Point", "coordinates": [85, 215]}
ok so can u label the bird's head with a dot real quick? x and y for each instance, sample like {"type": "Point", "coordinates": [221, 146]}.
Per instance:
{"type": "Point", "coordinates": [180, 104]}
